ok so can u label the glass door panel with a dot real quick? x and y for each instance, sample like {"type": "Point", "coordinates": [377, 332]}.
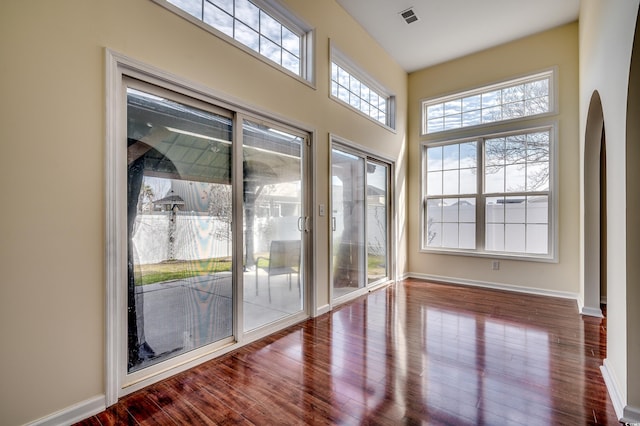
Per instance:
{"type": "Point", "coordinates": [377, 222]}
{"type": "Point", "coordinates": [274, 223]}
{"type": "Point", "coordinates": [179, 239]}
{"type": "Point", "coordinates": [348, 222]}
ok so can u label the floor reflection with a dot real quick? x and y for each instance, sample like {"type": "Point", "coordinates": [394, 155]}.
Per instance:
{"type": "Point", "coordinates": [413, 353]}
{"type": "Point", "coordinates": [442, 354]}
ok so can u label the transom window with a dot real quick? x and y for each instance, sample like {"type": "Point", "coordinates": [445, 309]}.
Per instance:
{"type": "Point", "coordinates": [491, 194]}
{"type": "Point", "coordinates": [510, 100]}
{"type": "Point", "coordinates": [264, 28]}
{"type": "Point", "coordinates": [353, 87]}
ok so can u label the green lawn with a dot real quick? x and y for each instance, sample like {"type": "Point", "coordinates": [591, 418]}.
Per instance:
{"type": "Point", "coordinates": [179, 269]}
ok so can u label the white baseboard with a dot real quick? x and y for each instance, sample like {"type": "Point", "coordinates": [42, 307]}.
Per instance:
{"type": "Point", "coordinates": [75, 413]}
{"type": "Point", "coordinates": [626, 414]}
{"type": "Point", "coordinates": [591, 312]}
{"type": "Point", "coordinates": [495, 286]}
{"type": "Point", "coordinates": [612, 387]}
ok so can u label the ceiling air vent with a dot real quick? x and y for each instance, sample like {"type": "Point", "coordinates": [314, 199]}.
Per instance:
{"type": "Point", "coordinates": [409, 16]}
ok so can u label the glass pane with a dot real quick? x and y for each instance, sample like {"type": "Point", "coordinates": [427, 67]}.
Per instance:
{"type": "Point", "coordinates": [434, 158]}
{"type": "Point", "coordinates": [494, 179]}
{"type": "Point", "coordinates": [192, 7]}
{"type": "Point", "coordinates": [513, 94]}
{"type": "Point", "coordinates": [516, 149]}
{"type": "Point", "coordinates": [453, 107]}
{"type": "Point", "coordinates": [343, 77]}
{"type": "Point", "coordinates": [514, 209]}
{"type": "Point", "coordinates": [467, 210]}
{"type": "Point", "coordinates": [434, 209]}
{"type": "Point", "coordinates": [538, 147]}
{"type": "Point", "coordinates": [248, 13]}
{"type": "Point", "coordinates": [536, 105]}
{"type": "Point", "coordinates": [450, 210]}
{"type": "Point", "coordinates": [179, 238]}
{"type": "Point", "coordinates": [467, 236]}
{"type": "Point", "coordinates": [270, 28]}
{"type": "Point", "coordinates": [515, 178]}
{"type": "Point", "coordinates": [450, 235]}
{"type": "Point", "coordinates": [537, 239]}
{"type": "Point", "coordinates": [471, 103]}
{"type": "Point", "coordinates": [492, 114]}
{"type": "Point", "coordinates": [348, 219]}
{"type": "Point", "coordinates": [451, 156]}
{"type": "Point", "coordinates": [334, 88]}
{"type": "Point", "coordinates": [494, 239]}
{"type": "Point", "coordinates": [291, 41]}
{"type": "Point", "coordinates": [435, 111]}
{"type": "Point", "coordinates": [272, 207]}
{"type": "Point", "coordinates": [513, 110]}
{"type": "Point", "coordinates": [270, 50]}
{"type": "Point", "coordinates": [226, 5]}
{"type": "Point", "coordinates": [538, 177]}
{"type": "Point", "coordinates": [434, 234]}
{"type": "Point", "coordinates": [343, 94]}
{"type": "Point", "coordinates": [471, 118]}
{"type": "Point", "coordinates": [434, 183]}
{"type": "Point", "coordinates": [490, 99]}
{"type": "Point", "coordinates": [537, 89]}
{"type": "Point", "coordinates": [450, 182]}
{"type": "Point", "coordinates": [468, 181]}
{"type": "Point", "coordinates": [494, 212]}
{"type": "Point", "coordinates": [354, 86]}
{"type": "Point", "coordinates": [247, 36]}
{"type": "Point", "coordinates": [218, 19]}
{"type": "Point", "coordinates": [377, 221]}
{"type": "Point", "coordinates": [452, 121]}
{"type": "Point", "coordinates": [494, 152]}
{"type": "Point", "coordinates": [538, 209]}
{"type": "Point", "coordinates": [514, 239]}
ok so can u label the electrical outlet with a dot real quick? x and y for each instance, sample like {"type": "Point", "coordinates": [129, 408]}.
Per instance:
{"type": "Point", "coordinates": [495, 265]}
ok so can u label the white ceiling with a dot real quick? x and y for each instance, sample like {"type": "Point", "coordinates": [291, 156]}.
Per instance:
{"type": "Point", "coordinates": [448, 29]}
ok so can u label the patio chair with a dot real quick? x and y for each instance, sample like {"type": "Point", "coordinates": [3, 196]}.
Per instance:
{"type": "Point", "coordinates": [284, 259]}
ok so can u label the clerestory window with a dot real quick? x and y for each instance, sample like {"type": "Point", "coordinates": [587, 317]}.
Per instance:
{"type": "Point", "coordinates": [353, 87]}
{"type": "Point", "coordinates": [261, 26]}
{"type": "Point", "coordinates": [513, 99]}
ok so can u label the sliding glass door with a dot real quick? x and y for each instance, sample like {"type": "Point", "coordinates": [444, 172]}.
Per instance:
{"type": "Point", "coordinates": [378, 230]}
{"type": "Point", "coordinates": [179, 235]}
{"type": "Point", "coordinates": [348, 222]}
{"type": "Point", "coordinates": [216, 227]}
{"type": "Point", "coordinates": [274, 223]}
{"type": "Point", "coordinates": [360, 220]}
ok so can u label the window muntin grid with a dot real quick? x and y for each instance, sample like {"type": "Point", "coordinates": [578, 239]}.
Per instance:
{"type": "Point", "coordinates": [251, 26]}
{"type": "Point", "coordinates": [490, 104]}
{"type": "Point", "coordinates": [354, 92]}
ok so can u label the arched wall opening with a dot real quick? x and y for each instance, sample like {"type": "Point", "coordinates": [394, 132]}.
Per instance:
{"type": "Point", "coordinates": [594, 209]}
{"type": "Point", "coordinates": [632, 295]}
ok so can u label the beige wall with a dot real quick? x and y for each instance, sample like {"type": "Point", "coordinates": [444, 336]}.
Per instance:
{"type": "Point", "coordinates": [606, 38]}
{"type": "Point", "coordinates": [52, 254]}
{"type": "Point", "coordinates": [554, 48]}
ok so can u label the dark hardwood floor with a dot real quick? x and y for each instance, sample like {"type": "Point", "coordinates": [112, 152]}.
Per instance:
{"type": "Point", "coordinates": [413, 353]}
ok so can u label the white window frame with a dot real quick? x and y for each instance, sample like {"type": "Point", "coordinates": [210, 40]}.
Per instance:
{"type": "Point", "coordinates": [280, 14]}
{"type": "Point", "coordinates": [480, 133]}
{"type": "Point", "coordinates": [549, 74]}
{"type": "Point", "coordinates": [339, 59]}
